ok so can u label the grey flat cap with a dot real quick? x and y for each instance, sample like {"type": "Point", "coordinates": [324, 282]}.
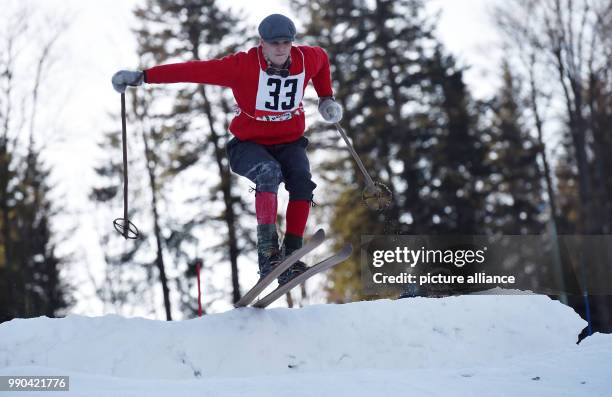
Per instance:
{"type": "Point", "coordinates": [277, 27]}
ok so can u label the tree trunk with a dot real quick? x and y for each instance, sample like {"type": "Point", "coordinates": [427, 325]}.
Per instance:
{"type": "Point", "coordinates": [159, 259]}
{"type": "Point", "coordinates": [226, 188]}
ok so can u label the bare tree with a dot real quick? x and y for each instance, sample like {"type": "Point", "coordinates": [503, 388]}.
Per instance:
{"type": "Point", "coordinates": [567, 38]}
{"type": "Point", "coordinates": [566, 48]}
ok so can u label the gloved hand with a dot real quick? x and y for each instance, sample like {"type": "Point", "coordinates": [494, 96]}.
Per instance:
{"type": "Point", "coordinates": [330, 110]}
{"type": "Point", "coordinates": [123, 78]}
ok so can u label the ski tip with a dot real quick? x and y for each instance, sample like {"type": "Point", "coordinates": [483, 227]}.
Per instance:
{"type": "Point", "coordinates": [318, 236]}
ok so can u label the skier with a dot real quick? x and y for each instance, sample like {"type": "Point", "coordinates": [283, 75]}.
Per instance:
{"type": "Point", "coordinates": [268, 146]}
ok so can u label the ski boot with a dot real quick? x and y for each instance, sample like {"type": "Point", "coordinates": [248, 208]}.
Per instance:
{"type": "Point", "coordinates": [268, 253]}
{"type": "Point", "coordinates": [268, 261]}
{"type": "Point", "coordinates": [291, 244]}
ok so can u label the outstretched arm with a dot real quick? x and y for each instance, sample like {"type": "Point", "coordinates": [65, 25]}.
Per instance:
{"type": "Point", "coordinates": [220, 72]}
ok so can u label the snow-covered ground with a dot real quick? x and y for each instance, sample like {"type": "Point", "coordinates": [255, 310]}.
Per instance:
{"type": "Point", "coordinates": [494, 345]}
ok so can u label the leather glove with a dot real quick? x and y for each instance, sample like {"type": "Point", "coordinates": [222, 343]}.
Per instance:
{"type": "Point", "coordinates": [123, 78]}
{"type": "Point", "coordinates": [330, 110]}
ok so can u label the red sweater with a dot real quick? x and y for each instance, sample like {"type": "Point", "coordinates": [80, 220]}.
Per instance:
{"type": "Point", "coordinates": [241, 73]}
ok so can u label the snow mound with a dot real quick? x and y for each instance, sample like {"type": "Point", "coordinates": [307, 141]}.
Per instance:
{"type": "Point", "coordinates": [418, 333]}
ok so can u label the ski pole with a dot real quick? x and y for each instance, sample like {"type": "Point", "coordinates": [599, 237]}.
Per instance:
{"type": "Point", "coordinates": [376, 195]}
{"type": "Point", "coordinates": [123, 225]}
{"type": "Point", "coordinates": [369, 182]}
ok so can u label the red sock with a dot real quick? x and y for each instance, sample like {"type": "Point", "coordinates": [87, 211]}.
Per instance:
{"type": "Point", "coordinates": [265, 208]}
{"type": "Point", "coordinates": [297, 215]}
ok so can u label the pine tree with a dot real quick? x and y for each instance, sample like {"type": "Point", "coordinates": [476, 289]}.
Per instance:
{"type": "Point", "coordinates": [45, 293]}
{"type": "Point", "coordinates": [30, 283]}
{"type": "Point", "coordinates": [457, 171]}
{"type": "Point", "coordinates": [517, 196]}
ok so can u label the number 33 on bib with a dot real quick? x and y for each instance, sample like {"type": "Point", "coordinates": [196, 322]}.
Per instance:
{"type": "Point", "coordinates": [278, 97]}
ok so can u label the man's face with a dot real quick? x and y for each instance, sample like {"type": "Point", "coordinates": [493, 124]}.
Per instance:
{"type": "Point", "coordinates": [276, 51]}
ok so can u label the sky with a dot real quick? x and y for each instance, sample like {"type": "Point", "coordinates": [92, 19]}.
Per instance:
{"type": "Point", "coordinates": [80, 104]}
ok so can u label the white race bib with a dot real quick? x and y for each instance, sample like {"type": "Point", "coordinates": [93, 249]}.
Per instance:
{"type": "Point", "coordinates": [278, 97]}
